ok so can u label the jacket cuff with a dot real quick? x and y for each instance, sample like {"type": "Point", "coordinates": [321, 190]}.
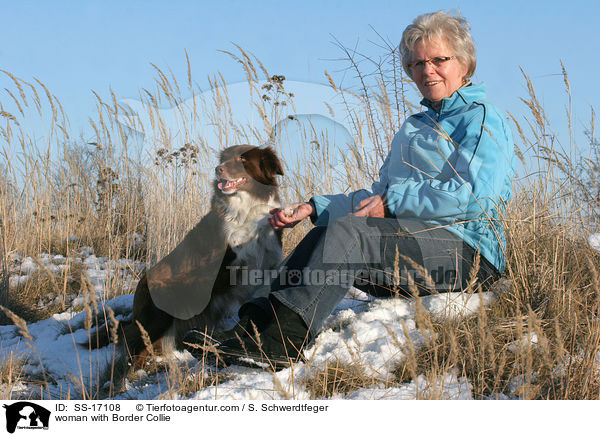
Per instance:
{"type": "Point", "coordinates": [313, 216]}
{"type": "Point", "coordinates": [386, 207]}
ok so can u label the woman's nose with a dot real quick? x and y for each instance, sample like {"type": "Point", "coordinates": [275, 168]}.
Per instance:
{"type": "Point", "coordinates": [429, 67]}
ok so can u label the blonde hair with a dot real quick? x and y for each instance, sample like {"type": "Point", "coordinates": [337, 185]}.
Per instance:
{"type": "Point", "coordinates": [453, 29]}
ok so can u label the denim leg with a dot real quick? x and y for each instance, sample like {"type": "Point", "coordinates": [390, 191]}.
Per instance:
{"type": "Point", "coordinates": [317, 275]}
{"type": "Point", "coordinates": [319, 272]}
{"type": "Point", "coordinates": [295, 261]}
{"type": "Point", "coordinates": [313, 298]}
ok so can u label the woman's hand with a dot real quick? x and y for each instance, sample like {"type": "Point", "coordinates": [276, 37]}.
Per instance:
{"type": "Point", "coordinates": [373, 206]}
{"type": "Point", "coordinates": [290, 216]}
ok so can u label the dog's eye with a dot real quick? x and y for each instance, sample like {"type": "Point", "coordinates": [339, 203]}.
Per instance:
{"type": "Point", "coordinates": [242, 159]}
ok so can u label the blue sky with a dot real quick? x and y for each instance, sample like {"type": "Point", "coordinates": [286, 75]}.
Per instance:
{"type": "Point", "coordinates": [78, 46]}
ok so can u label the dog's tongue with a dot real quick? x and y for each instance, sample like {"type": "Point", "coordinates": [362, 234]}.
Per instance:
{"type": "Point", "coordinates": [230, 185]}
{"type": "Point", "coordinates": [226, 184]}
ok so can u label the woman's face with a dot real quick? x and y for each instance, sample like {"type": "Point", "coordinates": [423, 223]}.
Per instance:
{"type": "Point", "coordinates": [436, 82]}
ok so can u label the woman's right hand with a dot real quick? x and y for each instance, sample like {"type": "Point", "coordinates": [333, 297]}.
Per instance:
{"type": "Point", "coordinates": [291, 215]}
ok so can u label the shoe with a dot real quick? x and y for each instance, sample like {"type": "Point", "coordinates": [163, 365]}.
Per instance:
{"type": "Point", "coordinates": [276, 347]}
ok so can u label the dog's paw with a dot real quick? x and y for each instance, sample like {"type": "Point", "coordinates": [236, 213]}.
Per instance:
{"type": "Point", "coordinates": [289, 212]}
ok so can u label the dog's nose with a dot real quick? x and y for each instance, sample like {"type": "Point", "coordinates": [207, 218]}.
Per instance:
{"type": "Point", "coordinates": [219, 170]}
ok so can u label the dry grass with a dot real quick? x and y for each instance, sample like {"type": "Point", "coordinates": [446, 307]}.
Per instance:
{"type": "Point", "coordinates": [337, 377]}
{"type": "Point", "coordinates": [534, 342]}
{"type": "Point", "coordinates": [11, 376]}
{"type": "Point", "coordinates": [44, 293]}
{"type": "Point", "coordinates": [185, 382]}
{"type": "Point", "coordinates": [104, 191]}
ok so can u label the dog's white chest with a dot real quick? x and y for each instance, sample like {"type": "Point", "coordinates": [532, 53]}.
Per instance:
{"type": "Point", "coordinates": [247, 230]}
{"type": "Point", "coordinates": [238, 235]}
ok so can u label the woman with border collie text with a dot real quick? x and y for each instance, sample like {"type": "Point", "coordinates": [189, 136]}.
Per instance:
{"type": "Point", "coordinates": [435, 206]}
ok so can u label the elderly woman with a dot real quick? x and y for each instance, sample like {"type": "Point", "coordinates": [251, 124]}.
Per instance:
{"type": "Point", "coordinates": [430, 219]}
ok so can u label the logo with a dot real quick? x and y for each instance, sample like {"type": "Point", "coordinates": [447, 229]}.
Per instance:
{"type": "Point", "coordinates": [26, 415]}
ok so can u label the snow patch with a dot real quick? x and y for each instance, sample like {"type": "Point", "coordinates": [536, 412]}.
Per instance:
{"type": "Point", "coordinates": [28, 266]}
{"type": "Point", "coordinates": [594, 241]}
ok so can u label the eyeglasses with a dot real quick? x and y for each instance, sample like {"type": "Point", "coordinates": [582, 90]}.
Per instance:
{"type": "Point", "coordinates": [437, 62]}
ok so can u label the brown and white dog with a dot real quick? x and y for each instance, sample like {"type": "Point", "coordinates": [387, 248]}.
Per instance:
{"type": "Point", "coordinates": [199, 283]}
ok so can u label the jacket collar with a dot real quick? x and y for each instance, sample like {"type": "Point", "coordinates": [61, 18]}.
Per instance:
{"type": "Point", "coordinates": [462, 96]}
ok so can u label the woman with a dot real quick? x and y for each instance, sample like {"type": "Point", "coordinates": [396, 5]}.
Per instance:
{"type": "Point", "coordinates": [435, 207]}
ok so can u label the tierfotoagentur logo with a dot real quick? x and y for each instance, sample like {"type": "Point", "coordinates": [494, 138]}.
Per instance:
{"type": "Point", "coordinates": [26, 415]}
{"type": "Point", "coordinates": [387, 277]}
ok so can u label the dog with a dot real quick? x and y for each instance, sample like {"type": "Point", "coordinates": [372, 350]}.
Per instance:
{"type": "Point", "coordinates": [199, 284]}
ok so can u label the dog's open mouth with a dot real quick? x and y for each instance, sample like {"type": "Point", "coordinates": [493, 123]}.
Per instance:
{"type": "Point", "coordinates": [230, 186]}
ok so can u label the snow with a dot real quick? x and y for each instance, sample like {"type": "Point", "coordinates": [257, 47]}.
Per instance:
{"type": "Point", "coordinates": [371, 333]}
{"type": "Point", "coordinates": [28, 266]}
{"type": "Point", "coordinates": [529, 340]}
{"type": "Point", "coordinates": [594, 240]}
{"type": "Point", "coordinates": [14, 281]}
{"type": "Point", "coordinates": [448, 387]}
{"type": "Point", "coordinates": [54, 352]}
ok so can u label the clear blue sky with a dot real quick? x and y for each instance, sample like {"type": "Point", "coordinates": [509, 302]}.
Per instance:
{"type": "Point", "coordinates": [78, 46]}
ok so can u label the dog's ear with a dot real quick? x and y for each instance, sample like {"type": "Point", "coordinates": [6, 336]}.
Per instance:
{"type": "Point", "coordinates": [270, 162]}
{"type": "Point", "coordinates": [263, 165]}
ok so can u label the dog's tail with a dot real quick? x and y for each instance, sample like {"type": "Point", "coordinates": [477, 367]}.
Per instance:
{"type": "Point", "coordinates": [148, 324]}
{"type": "Point", "coordinates": [128, 335]}
{"type": "Point", "coordinates": [104, 335]}
{"type": "Point", "coordinates": [100, 338]}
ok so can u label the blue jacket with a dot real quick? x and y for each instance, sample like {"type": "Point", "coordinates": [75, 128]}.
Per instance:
{"type": "Point", "coordinates": [451, 168]}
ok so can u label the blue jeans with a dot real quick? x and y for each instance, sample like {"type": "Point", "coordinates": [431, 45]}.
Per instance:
{"type": "Point", "coordinates": [380, 256]}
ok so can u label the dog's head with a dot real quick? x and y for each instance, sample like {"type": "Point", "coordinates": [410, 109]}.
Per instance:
{"type": "Point", "coordinates": [247, 168]}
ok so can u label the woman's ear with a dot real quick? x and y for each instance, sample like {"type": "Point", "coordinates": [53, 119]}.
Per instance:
{"type": "Point", "coordinates": [465, 71]}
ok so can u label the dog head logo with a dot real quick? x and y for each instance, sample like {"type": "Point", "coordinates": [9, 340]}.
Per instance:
{"type": "Point", "coordinates": [318, 123]}
{"type": "Point", "coordinates": [26, 415]}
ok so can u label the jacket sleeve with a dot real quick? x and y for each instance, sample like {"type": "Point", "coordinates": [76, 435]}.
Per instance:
{"type": "Point", "coordinates": [331, 207]}
{"type": "Point", "coordinates": [471, 184]}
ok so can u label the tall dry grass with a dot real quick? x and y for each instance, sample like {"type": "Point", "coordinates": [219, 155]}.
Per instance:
{"type": "Point", "coordinates": [104, 190]}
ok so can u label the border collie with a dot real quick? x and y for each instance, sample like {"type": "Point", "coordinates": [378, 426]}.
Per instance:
{"type": "Point", "coordinates": [199, 284]}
